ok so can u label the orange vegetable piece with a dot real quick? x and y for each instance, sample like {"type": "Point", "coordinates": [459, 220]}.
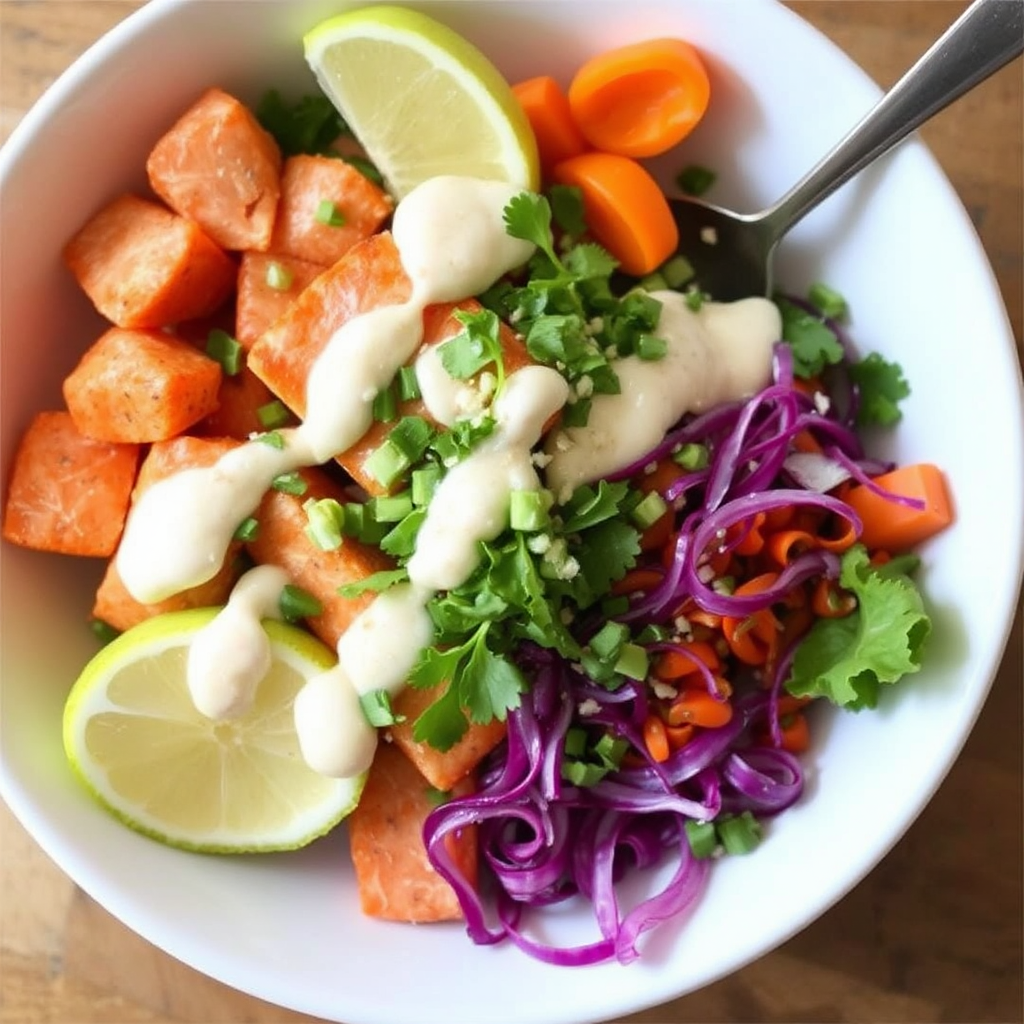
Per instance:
{"type": "Point", "coordinates": [308, 181]}
{"type": "Point", "coordinates": [113, 603]}
{"type": "Point", "coordinates": [239, 399]}
{"type": "Point", "coordinates": [671, 665]}
{"type": "Point", "coordinates": [259, 304]}
{"type": "Point", "coordinates": [395, 878]}
{"type": "Point", "coordinates": [625, 209]}
{"type": "Point", "coordinates": [656, 739]}
{"type": "Point", "coordinates": [144, 266]}
{"type": "Point", "coordinates": [896, 527]}
{"type": "Point", "coordinates": [218, 167]}
{"type": "Point", "coordinates": [442, 769]}
{"type": "Point", "coordinates": [140, 386]}
{"type": "Point", "coordinates": [641, 99]}
{"type": "Point", "coordinates": [547, 109]}
{"type": "Point", "coordinates": [698, 707]}
{"type": "Point", "coordinates": [67, 492]}
{"type": "Point", "coordinates": [281, 540]}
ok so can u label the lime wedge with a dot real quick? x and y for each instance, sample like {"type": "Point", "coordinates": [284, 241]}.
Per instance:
{"type": "Point", "coordinates": [138, 744]}
{"type": "Point", "coordinates": [421, 99]}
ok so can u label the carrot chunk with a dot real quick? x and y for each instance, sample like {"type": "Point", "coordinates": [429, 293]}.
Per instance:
{"type": "Point", "coordinates": [442, 769]}
{"type": "Point", "coordinates": [547, 109]}
{"type": "Point", "coordinates": [218, 167]}
{"type": "Point", "coordinates": [641, 99]}
{"type": "Point", "coordinates": [267, 285]}
{"type": "Point", "coordinates": [625, 209]}
{"type": "Point", "coordinates": [897, 527]}
{"type": "Point", "coordinates": [326, 207]}
{"type": "Point", "coordinates": [144, 266]}
{"type": "Point", "coordinates": [140, 386]}
{"type": "Point", "coordinates": [68, 493]}
{"type": "Point", "coordinates": [239, 400]}
{"type": "Point", "coordinates": [281, 540]}
{"type": "Point", "coordinates": [395, 878]}
{"type": "Point", "coordinates": [113, 603]}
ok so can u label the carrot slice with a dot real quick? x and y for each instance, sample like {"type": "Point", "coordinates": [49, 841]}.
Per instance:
{"type": "Point", "coordinates": [144, 266]}
{"type": "Point", "coordinates": [218, 167]}
{"type": "Point", "coordinates": [68, 493]}
{"type": "Point", "coordinates": [281, 540]}
{"type": "Point", "coordinates": [547, 109]}
{"type": "Point", "coordinates": [442, 769]}
{"type": "Point", "coordinates": [113, 603]}
{"type": "Point", "coordinates": [625, 209]}
{"type": "Point", "coordinates": [140, 386]}
{"type": "Point", "coordinates": [641, 99]}
{"type": "Point", "coordinates": [896, 527]}
{"type": "Point", "coordinates": [326, 207]}
{"type": "Point", "coordinates": [395, 878]}
{"type": "Point", "coordinates": [267, 285]}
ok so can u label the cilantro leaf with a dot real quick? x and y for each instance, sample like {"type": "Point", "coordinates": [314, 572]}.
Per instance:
{"type": "Point", "coordinates": [377, 708]}
{"type": "Point", "coordinates": [375, 583]}
{"type": "Point", "coordinates": [846, 659]}
{"type": "Point", "coordinates": [567, 209]}
{"type": "Point", "coordinates": [489, 684]}
{"type": "Point", "coordinates": [605, 554]}
{"type": "Point", "coordinates": [881, 385]}
{"type": "Point", "coordinates": [814, 345]}
{"type": "Point", "coordinates": [589, 261]}
{"type": "Point", "coordinates": [443, 723]}
{"type": "Point", "coordinates": [310, 125]}
{"type": "Point", "coordinates": [477, 344]}
{"type": "Point", "coordinates": [528, 216]}
{"type": "Point", "coordinates": [588, 507]}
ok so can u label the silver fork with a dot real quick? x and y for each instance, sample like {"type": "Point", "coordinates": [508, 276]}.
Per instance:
{"type": "Point", "coordinates": [732, 253]}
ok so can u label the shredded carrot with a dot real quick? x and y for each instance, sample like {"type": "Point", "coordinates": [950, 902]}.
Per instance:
{"type": "Point", "coordinates": [678, 735]}
{"type": "Point", "coordinates": [795, 733]}
{"type": "Point", "coordinates": [641, 99]}
{"type": "Point", "coordinates": [675, 664]}
{"type": "Point", "coordinates": [753, 638]}
{"type": "Point", "coordinates": [625, 209]}
{"type": "Point", "coordinates": [805, 441]}
{"type": "Point", "coordinates": [656, 739]}
{"type": "Point", "coordinates": [829, 601]}
{"type": "Point", "coordinates": [752, 542]}
{"type": "Point", "coordinates": [636, 581]}
{"type": "Point", "coordinates": [784, 545]}
{"type": "Point", "coordinates": [698, 707]}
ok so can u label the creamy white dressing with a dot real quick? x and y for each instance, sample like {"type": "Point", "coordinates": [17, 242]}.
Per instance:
{"type": "Point", "coordinates": [228, 659]}
{"type": "Point", "coordinates": [721, 353]}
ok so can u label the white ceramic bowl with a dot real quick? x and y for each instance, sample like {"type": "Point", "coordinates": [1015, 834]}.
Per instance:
{"type": "Point", "coordinates": [896, 243]}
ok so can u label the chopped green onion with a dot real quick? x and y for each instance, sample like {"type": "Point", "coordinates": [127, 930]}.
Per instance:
{"type": "Point", "coordinates": [828, 300]}
{"type": "Point", "coordinates": [633, 661]}
{"type": "Point", "coordinates": [653, 634]}
{"type": "Point", "coordinates": [408, 384]}
{"type": "Point", "coordinates": [329, 214]}
{"type": "Point", "coordinates": [279, 277]}
{"type": "Point", "coordinates": [248, 529]}
{"type": "Point", "coordinates": [575, 742]}
{"type": "Point", "coordinates": [583, 773]}
{"type": "Point", "coordinates": [387, 463]}
{"type": "Point", "coordinates": [650, 347]}
{"type": "Point", "coordinates": [324, 520]}
{"type": "Point", "coordinates": [577, 414]}
{"type": "Point", "coordinates": [695, 180]}
{"type": "Point", "coordinates": [528, 511]}
{"type": "Point", "coordinates": [740, 834]}
{"type": "Point", "coordinates": [649, 511]}
{"type": "Point", "coordinates": [273, 438]}
{"type": "Point", "coordinates": [437, 797]}
{"type": "Point", "coordinates": [376, 705]}
{"type": "Point", "coordinates": [103, 631]}
{"type": "Point", "coordinates": [653, 282]}
{"type": "Point", "coordinates": [375, 583]}
{"type": "Point", "coordinates": [365, 168]}
{"type": "Point", "coordinates": [692, 456]}
{"type": "Point", "coordinates": [401, 541]}
{"type": "Point", "coordinates": [702, 838]}
{"type": "Point", "coordinates": [694, 298]}
{"type": "Point", "coordinates": [296, 603]}
{"type": "Point", "coordinates": [289, 483]}
{"type": "Point", "coordinates": [424, 483]}
{"type": "Point", "coordinates": [608, 640]}
{"type": "Point", "coordinates": [391, 509]}
{"type": "Point", "coordinates": [385, 405]}
{"type": "Point", "coordinates": [677, 271]}
{"type": "Point", "coordinates": [226, 350]}
{"type": "Point", "coordinates": [611, 750]}
{"type": "Point", "coordinates": [412, 435]}
{"type": "Point", "coordinates": [274, 414]}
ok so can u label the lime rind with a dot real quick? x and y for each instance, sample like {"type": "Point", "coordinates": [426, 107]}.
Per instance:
{"type": "Point", "coordinates": [89, 702]}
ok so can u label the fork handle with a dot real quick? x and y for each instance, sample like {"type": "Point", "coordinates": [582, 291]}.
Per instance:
{"type": "Point", "coordinates": [989, 34]}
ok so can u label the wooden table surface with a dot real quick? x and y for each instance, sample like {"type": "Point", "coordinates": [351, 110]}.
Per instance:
{"type": "Point", "coordinates": [933, 934]}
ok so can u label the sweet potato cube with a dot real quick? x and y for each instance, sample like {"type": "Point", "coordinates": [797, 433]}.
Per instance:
{"type": "Point", "coordinates": [114, 604]}
{"type": "Point", "coordinates": [68, 493]}
{"type": "Point", "coordinates": [218, 167]}
{"type": "Point", "coordinates": [326, 207]}
{"type": "Point", "coordinates": [442, 769]}
{"type": "Point", "coordinates": [239, 400]}
{"type": "Point", "coordinates": [281, 540]}
{"type": "Point", "coordinates": [144, 266]}
{"type": "Point", "coordinates": [396, 879]}
{"type": "Point", "coordinates": [140, 386]}
{"type": "Point", "coordinates": [267, 285]}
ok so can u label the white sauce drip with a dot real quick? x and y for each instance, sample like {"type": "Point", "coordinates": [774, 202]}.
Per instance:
{"type": "Point", "coordinates": [452, 243]}
{"type": "Point", "coordinates": [721, 353]}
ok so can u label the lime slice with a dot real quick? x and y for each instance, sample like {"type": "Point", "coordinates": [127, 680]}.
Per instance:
{"type": "Point", "coordinates": [422, 100]}
{"type": "Point", "coordinates": [135, 739]}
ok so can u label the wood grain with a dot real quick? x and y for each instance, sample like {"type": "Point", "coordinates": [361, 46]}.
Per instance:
{"type": "Point", "coordinates": [933, 934]}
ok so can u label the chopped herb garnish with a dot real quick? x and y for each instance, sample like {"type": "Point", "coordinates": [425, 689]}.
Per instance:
{"type": "Point", "coordinates": [880, 387]}
{"type": "Point", "coordinates": [311, 125]}
{"type": "Point", "coordinates": [567, 209]}
{"type": "Point", "coordinates": [226, 350]}
{"type": "Point", "coordinates": [375, 583]}
{"type": "Point", "coordinates": [272, 438]}
{"type": "Point", "coordinates": [702, 838]}
{"type": "Point", "coordinates": [279, 277]}
{"type": "Point", "coordinates": [828, 300]}
{"type": "Point", "coordinates": [328, 213]}
{"type": "Point", "coordinates": [695, 180]}
{"type": "Point", "coordinates": [324, 519]}
{"type": "Point", "coordinates": [273, 415]}
{"type": "Point", "coordinates": [739, 833]}
{"type": "Point", "coordinates": [296, 603]}
{"type": "Point", "coordinates": [814, 344]}
{"type": "Point", "coordinates": [474, 347]}
{"type": "Point", "coordinates": [290, 483]}
{"type": "Point", "coordinates": [248, 529]}
{"type": "Point", "coordinates": [692, 456]}
{"type": "Point", "coordinates": [377, 709]}
{"type": "Point", "coordinates": [385, 405]}
{"type": "Point", "coordinates": [408, 384]}
{"type": "Point", "coordinates": [103, 631]}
